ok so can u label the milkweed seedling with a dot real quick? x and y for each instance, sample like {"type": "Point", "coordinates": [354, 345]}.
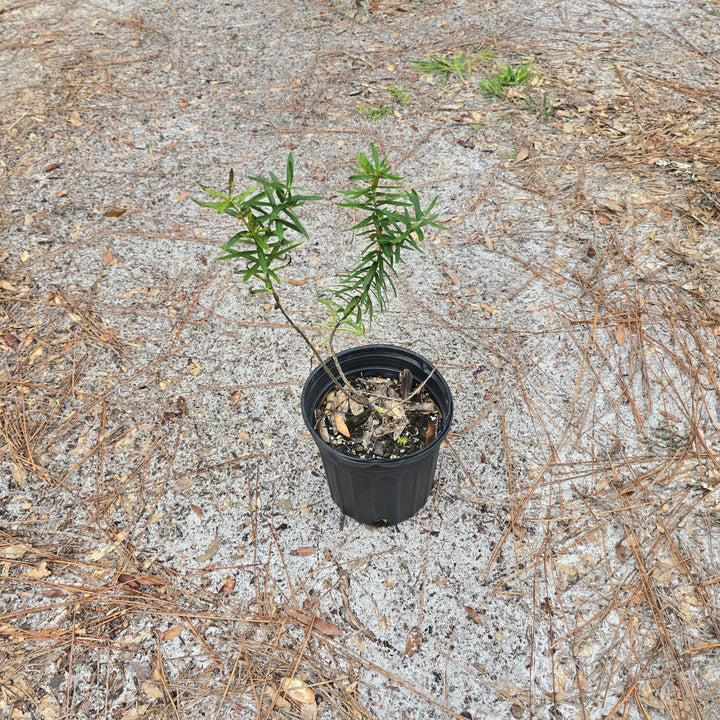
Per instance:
{"type": "Point", "coordinates": [392, 221]}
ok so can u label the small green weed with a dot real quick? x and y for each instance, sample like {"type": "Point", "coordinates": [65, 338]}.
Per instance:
{"type": "Point", "coordinates": [398, 95]}
{"type": "Point", "coordinates": [545, 108]}
{"type": "Point", "coordinates": [496, 85]}
{"type": "Point", "coordinates": [376, 112]}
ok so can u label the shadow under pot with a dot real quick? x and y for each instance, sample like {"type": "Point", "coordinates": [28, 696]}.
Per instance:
{"type": "Point", "coordinates": [379, 491]}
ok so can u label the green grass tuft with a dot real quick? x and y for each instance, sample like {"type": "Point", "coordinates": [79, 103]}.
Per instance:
{"type": "Point", "coordinates": [496, 85]}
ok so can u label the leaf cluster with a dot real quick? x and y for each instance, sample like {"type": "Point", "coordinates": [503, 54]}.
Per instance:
{"type": "Point", "coordinates": [392, 220]}
{"type": "Point", "coordinates": [496, 85]}
{"type": "Point", "coordinates": [266, 211]}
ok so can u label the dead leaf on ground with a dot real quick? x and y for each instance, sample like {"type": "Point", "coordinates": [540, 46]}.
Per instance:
{"type": "Point", "coordinates": [114, 212]}
{"type": "Point", "coordinates": [227, 587]}
{"type": "Point", "coordinates": [309, 711]}
{"type": "Point", "coordinates": [413, 642]}
{"type": "Point", "coordinates": [129, 580]}
{"type": "Point", "coordinates": [304, 551]}
{"type": "Point", "coordinates": [616, 448]}
{"type": "Point", "coordinates": [318, 624]}
{"type": "Point", "coordinates": [152, 689]}
{"type": "Point", "coordinates": [522, 154]}
{"type": "Point", "coordinates": [172, 632]}
{"type": "Point", "coordinates": [455, 279]}
{"type": "Point", "coordinates": [297, 690]}
{"type": "Point", "coordinates": [12, 552]}
{"type": "Point", "coordinates": [612, 204]}
{"type": "Point", "coordinates": [150, 580]}
{"type": "Point", "coordinates": [97, 555]}
{"type": "Point", "coordinates": [210, 552]}
{"type": "Point", "coordinates": [11, 340]}
{"type": "Point", "coordinates": [19, 474]}
{"type": "Point", "coordinates": [473, 615]}
{"type": "Point", "coordinates": [49, 708]}
{"type": "Point", "coordinates": [621, 552]}
{"type": "Point", "coordinates": [39, 572]}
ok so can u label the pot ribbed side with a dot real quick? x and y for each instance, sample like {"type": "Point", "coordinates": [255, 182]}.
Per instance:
{"type": "Point", "coordinates": [379, 491]}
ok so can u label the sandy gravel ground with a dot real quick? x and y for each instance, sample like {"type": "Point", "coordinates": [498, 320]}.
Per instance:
{"type": "Point", "coordinates": [168, 547]}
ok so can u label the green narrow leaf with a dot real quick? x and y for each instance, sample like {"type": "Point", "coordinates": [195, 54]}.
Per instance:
{"type": "Point", "coordinates": [289, 170]}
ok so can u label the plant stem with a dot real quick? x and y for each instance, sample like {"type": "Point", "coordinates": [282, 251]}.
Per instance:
{"type": "Point", "coordinates": [306, 339]}
{"type": "Point", "coordinates": [343, 386]}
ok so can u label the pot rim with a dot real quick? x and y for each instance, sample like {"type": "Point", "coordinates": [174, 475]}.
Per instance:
{"type": "Point", "coordinates": [362, 349]}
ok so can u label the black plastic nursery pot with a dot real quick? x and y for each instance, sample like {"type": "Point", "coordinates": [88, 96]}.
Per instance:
{"type": "Point", "coordinates": [379, 491]}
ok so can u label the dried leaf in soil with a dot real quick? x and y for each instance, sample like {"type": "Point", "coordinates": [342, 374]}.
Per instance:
{"type": "Point", "coordinates": [473, 615]}
{"type": "Point", "coordinates": [114, 212]}
{"type": "Point", "coordinates": [340, 424]}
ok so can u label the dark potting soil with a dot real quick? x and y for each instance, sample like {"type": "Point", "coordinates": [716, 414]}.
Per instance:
{"type": "Point", "coordinates": [407, 425]}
